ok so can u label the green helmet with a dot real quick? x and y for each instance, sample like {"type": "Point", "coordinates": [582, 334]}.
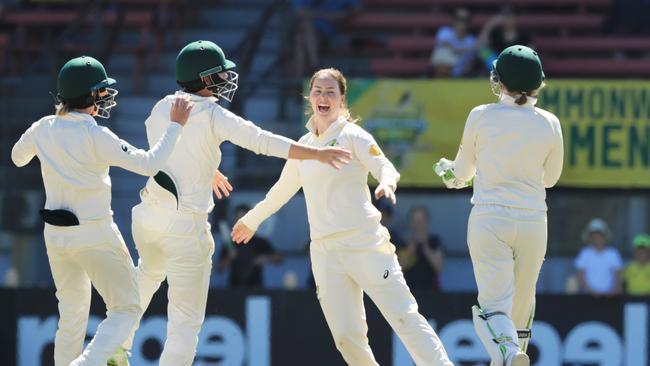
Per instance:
{"type": "Point", "coordinates": [83, 82]}
{"type": "Point", "coordinates": [202, 59]}
{"type": "Point", "coordinates": [519, 69]}
{"type": "Point", "coordinates": [81, 76]}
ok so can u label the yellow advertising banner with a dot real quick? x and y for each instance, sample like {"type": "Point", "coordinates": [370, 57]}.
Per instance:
{"type": "Point", "coordinates": [606, 125]}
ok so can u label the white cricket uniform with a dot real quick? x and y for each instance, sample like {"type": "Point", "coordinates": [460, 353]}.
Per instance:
{"type": "Point", "coordinates": [513, 153]}
{"type": "Point", "coordinates": [75, 155]}
{"type": "Point", "coordinates": [173, 238]}
{"type": "Point", "coordinates": [350, 250]}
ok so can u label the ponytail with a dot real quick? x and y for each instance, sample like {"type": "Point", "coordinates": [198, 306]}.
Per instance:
{"type": "Point", "coordinates": [523, 95]}
{"type": "Point", "coordinates": [521, 100]}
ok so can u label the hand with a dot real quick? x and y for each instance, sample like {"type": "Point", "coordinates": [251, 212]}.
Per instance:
{"type": "Point", "coordinates": [241, 233]}
{"type": "Point", "coordinates": [386, 190]}
{"type": "Point", "coordinates": [334, 156]}
{"type": "Point", "coordinates": [181, 109]}
{"type": "Point", "coordinates": [220, 185]}
{"type": "Point", "coordinates": [444, 168]}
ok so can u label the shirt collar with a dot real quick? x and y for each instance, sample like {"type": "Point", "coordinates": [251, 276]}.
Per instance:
{"type": "Point", "coordinates": [197, 98]}
{"type": "Point", "coordinates": [508, 100]}
{"type": "Point", "coordinates": [334, 127]}
{"type": "Point", "coordinates": [79, 117]}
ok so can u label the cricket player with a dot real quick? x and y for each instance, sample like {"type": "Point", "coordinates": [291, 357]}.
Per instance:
{"type": "Point", "coordinates": [170, 225]}
{"type": "Point", "coordinates": [350, 250]}
{"type": "Point", "coordinates": [83, 244]}
{"type": "Point", "coordinates": [513, 151]}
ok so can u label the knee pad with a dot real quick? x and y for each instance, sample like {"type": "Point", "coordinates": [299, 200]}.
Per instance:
{"type": "Point", "coordinates": [497, 333]}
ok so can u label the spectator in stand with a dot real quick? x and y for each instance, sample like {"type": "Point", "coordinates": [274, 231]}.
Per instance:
{"type": "Point", "coordinates": [498, 33]}
{"type": "Point", "coordinates": [421, 256]}
{"type": "Point", "coordinates": [316, 23]}
{"type": "Point", "coordinates": [247, 260]}
{"type": "Point", "coordinates": [455, 48]}
{"type": "Point", "coordinates": [637, 274]}
{"type": "Point", "coordinates": [598, 264]}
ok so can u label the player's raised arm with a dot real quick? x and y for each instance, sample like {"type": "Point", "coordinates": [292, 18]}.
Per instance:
{"type": "Point", "coordinates": [246, 134]}
{"type": "Point", "coordinates": [334, 156]}
{"type": "Point", "coordinates": [114, 151]}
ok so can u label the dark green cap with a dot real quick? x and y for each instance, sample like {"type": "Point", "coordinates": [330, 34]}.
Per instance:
{"type": "Point", "coordinates": [519, 69]}
{"type": "Point", "coordinates": [200, 58]}
{"type": "Point", "coordinates": [80, 76]}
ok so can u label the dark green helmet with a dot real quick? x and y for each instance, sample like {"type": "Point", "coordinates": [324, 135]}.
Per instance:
{"type": "Point", "coordinates": [81, 76]}
{"type": "Point", "coordinates": [83, 82]}
{"type": "Point", "coordinates": [519, 69]}
{"type": "Point", "coordinates": [204, 59]}
{"type": "Point", "coordinates": [199, 59]}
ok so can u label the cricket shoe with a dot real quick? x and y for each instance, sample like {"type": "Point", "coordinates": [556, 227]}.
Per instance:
{"type": "Point", "coordinates": [518, 359]}
{"type": "Point", "coordinates": [119, 358]}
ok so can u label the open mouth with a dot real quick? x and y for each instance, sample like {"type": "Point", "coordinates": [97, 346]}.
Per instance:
{"type": "Point", "coordinates": [323, 108]}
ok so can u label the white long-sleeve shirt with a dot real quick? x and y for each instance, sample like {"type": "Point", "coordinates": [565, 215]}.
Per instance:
{"type": "Point", "coordinates": [197, 156]}
{"type": "Point", "coordinates": [514, 151]}
{"type": "Point", "coordinates": [338, 201]}
{"type": "Point", "coordinates": [75, 155]}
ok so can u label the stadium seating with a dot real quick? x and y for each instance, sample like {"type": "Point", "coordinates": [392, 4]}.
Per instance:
{"type": "Point", "coordinates": [469, 3]}
{"type": "Point", "coordinates": [431, 22]}
{"type": "Point", "coordinates": [34, 34]}
{"type": "Point", "coordinates": [590, 44]}
{"type": "Point", "coordinates": [567, 33]}
{"type": "Point", "coordinates": [418, 43]}
{"type": "Point", "coordinates": [5, 40]}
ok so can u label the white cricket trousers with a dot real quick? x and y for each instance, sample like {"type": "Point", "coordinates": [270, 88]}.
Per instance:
{"type": "Point", "coordinates": [92, 253]}
{"type": "Point", "coordinates": [178, 246]}
{"type": "Point", "coordinates": [342, 274]}
{"type": "Point", "coordinates": [507, 247]}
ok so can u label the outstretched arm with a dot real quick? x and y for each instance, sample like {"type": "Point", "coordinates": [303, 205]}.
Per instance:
{"type": "Point", "coordinates": [246, 134]}
{"type": "Point", "coordinates": [112, 150]}
{"type": "Point", "coordinates": [334, 156]}
{"type": "Point", "coordinates": [286, 186]}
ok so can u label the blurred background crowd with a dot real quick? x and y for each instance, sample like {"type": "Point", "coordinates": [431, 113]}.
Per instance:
{"type": "Point", "coordinates": [597, 235]}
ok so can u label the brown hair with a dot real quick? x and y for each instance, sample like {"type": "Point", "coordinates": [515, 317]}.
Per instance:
{"type": "Point", "coordinates": [521, 100]}
{"type": "Point", "coordinates": [343, 86]}
{"type": "Point", "coordinates": [62, 109]}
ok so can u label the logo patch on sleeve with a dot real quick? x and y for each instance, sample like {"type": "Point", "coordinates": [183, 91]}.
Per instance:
{"type": "Point", "coordinates": [374, 150]}
{"type": "Point", "coordinates": [126, 149]}
{"type": "Point", "coordinates": [332, 143]}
